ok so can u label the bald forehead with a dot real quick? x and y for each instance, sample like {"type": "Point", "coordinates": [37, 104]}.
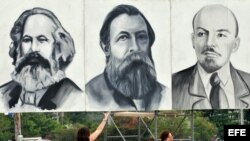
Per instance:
{"type": "Point", "coordinates": [38, 24]}
{"type": "Point", "coordinates": [217, 16]}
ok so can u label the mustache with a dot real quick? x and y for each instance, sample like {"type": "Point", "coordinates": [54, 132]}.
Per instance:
{"type": "Point", "coordinates": [209, 49]}
{"type": "Point", "coordinates": [33, 59]}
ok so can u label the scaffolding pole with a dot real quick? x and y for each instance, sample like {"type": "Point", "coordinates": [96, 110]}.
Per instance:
{"type": "Point", "coordinates": [140, 123]}
{"type": "Point", "coordinates": [241, 117]}
{"type": "Point", "coordinates": [155, 118]}
{"type": "Point", "coordinates": [192, 125]}
{"type": "Point", "coordinates": [139, 129]}
{"type": "Point", "coordinates": [117, 129]}
{"type": "Point", "coordinates": [153, 135]}
{"type": "Point", "coordinates": [17, 122]}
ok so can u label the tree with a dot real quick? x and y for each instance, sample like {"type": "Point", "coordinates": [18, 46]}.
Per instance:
{"type": "Point", "coordinates": [204, 129]}
{"type": "Point", "coordinates": [247, 116]}
{"type": "Point", "coordinates": [7, 130]}
{"type": "Point", "coordinates": [182, 129]}
{"type": "Point", "coordinates": [221, 118]}
{"type": "Point", "coordinates": [64, 126]}
{"type": "Point", "coordinates": [38, 124]}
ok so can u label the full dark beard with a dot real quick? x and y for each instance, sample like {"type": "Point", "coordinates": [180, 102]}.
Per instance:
{"type": "Point", "coordinates": [134, 77]}
{"type": "Point", "coordinates": [33, 72]}
{"type": "Point", "coordinates": [33, 78]}
{"type": "Point", "coordinates": [34, 59]}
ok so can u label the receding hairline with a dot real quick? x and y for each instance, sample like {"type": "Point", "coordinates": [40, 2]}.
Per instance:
{"type": "Point", "coordinates": [221, 6]}
{"type": "Point", "coordinates": [43, 15]}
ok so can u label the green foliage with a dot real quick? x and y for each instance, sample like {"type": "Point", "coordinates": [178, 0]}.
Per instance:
{"type": "Point", "coordinates": [204, 130]}
{"type": "Point", "coordinates": [64, 126]}
{"type": "Point", "coordinates": [6, 127]}
{"type": "Point", "coordinates": [64, 134]}
{"type": "Point", "coordinates": [221, 118]}
{"type": "Point", "coordinates": [178, 124]}
{"type": "Point", "coordinates": [247, 116]}
{"type": "Point", "coordinates": [38, 124]}
{"type": "Point", "coordinates": [75, 117]}
{"type": "Point", "coordinates": [73, 121]}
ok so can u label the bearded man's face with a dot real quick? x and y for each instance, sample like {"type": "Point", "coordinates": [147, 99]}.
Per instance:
{"type": "Point", "coordinates": [130, 68]}
{"type": "Point", "coordinates": [36, 67]}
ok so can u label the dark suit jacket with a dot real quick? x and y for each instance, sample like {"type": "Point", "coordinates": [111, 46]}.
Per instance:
{"type": "Point", "coordinates": [100, 95]}
{"type": "Point", "coordinates": [188, 91]}
{"type": "Point", "coordinates": [53, 97]}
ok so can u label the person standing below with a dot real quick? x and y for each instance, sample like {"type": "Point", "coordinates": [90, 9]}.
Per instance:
{"type": "Point", "coordinates": [84, 134]}
{"type": "Point", "coordinates": [150, 139]}
{"type": "Point", "coordinates": [166, 136]}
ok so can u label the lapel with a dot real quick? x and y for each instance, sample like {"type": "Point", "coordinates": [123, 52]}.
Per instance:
{"type": "Point", "coordinates": [14, 95]}
{"type": "Point", "coordinates": [241, 90]}
{"type": "Point", "coordinates": [47, 101]}
{"type": "Point", "coordinates": [196, 90]}
{"type": "Point", "coordinates": [199, 98]}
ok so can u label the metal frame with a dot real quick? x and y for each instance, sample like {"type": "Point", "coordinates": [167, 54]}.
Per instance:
{"type": "Point", "coordinates": [141, 122]}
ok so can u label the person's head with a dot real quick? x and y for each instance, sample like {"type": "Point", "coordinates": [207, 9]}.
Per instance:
{"type": "Point", "coordinates": [151, 139]}
{"type": "Point", "coordinates": [83, 134]}
{"type": "Point", "coordinates": [126, 38]}
{"type": "Point", "coordinates": [41, 49]}
{"type": "Point", "coordinates": [215, 36]}
{"type": "Point", "coordinates": [166, 136]}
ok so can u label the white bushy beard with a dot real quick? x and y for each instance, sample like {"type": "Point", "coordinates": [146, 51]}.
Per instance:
{"type": "Point", "coordinates": [36, 77]}
{"type": "Point", "coordinates": [134, 76]}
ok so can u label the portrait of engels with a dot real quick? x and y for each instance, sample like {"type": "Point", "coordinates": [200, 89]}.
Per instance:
{"type": "Point", "coordinates": [213, 82]}
{"type": "Point", "coordinates": [128, 81]}
{"type": "Point", "coordinates": [41, 50]}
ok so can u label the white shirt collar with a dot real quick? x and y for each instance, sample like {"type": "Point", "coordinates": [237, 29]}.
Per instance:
{"type": "Point", "coordinates": [223, 73]}
{"type": "Point", "coordinates": [226, 82]}
{"type": "Point", "coordinates": [32, 97]}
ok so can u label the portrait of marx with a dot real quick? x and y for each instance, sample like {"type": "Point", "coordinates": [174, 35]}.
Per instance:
{"type": "Point", "coordinates": [41, 50]}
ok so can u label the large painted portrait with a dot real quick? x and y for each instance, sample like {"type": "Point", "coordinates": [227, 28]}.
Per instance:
{"type": "Point", "coordinates": [41, 43]}
{"type": "Point", "coordinates": [210, 65]}
{"type": "Point", "coordinates": [127, 55]}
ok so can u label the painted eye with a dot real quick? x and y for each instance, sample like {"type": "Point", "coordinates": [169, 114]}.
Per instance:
{"type": "Point", "coordinates": [143, 37]}
{"type": "Point", "coordinates": [26, 39]}
{"type": "Point", "coordinates": [123, 37]}
{"type": "Point", "coordinates": [201, 34]}
{"type": "Point", "coordinates": [221, 35]}
{"type": "Point", "coordinates": [42, 39]}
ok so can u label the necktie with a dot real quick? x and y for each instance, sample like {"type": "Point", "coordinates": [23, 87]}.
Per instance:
{"type": "Point", "coordinates": [218, 97]}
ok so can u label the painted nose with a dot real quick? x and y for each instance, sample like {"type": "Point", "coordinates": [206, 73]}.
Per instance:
{"type": "Point", "coordinates": [211, 41]}
{"type": "Point", "coordinates": [34, 46]}
{"type": "Point", "coordinates": [134, 45]}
